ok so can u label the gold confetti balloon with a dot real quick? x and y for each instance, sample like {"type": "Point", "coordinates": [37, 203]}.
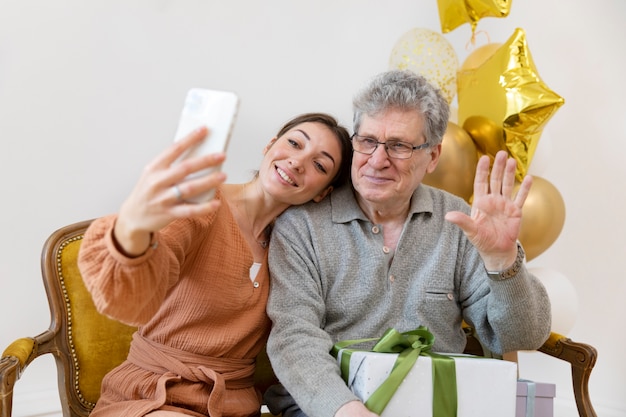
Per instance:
{"type": "Point", "coordinates": [506, 90]}
{"type": "Point", "coordinates": [429, 54]}
{"type": "Point", "coordinates": [454, 13]}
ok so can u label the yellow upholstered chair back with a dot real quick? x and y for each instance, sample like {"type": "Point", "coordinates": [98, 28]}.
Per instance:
{"type": "Point", "coordinates": [95, 343]}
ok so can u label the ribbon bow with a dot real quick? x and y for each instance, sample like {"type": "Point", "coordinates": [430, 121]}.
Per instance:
{"type": "Point", "coordinates": [409, 346]}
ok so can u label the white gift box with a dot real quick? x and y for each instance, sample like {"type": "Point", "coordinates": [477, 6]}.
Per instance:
{"type": "Point", "coordinates": [485, 387]}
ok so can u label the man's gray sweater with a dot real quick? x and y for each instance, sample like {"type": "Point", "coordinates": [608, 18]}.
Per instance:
{"type": "Point", "coordinates": [333, 279]}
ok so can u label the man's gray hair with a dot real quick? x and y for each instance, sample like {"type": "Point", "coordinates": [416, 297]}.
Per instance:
{"type": "Point", "coordinates": [404, 90]}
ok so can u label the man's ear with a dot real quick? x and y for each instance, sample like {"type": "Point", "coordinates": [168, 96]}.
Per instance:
{"type": "Point", "coordinates": [323, 194]}
{"type": "Point", "coordinates": [435, 153]}
{"type": "Point", "coordinates": [269, 145]}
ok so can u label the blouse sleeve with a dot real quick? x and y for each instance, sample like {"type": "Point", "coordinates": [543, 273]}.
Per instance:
{"type": "Point", "coordinates": [131, 290]}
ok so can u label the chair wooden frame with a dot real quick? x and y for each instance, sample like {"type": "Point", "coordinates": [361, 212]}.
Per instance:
{"type": "Point", "coordinates": [58, 340]}
{"type": "Point", "coordinates": [582, 358]}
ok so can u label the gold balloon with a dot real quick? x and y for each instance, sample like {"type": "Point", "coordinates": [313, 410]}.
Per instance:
{"type": "Point", "coordinates": [454, 13]}
{"type": "Point", "coordinates": [543, 217]}
{"type": "Point", "coordinates": [488, 136]}
{"type": "Point", "coordinates": [479, 55]}
{"type": "Point", "coordinates": [507, 90]}
{"type": "Point", "coordinates": [429, 54]}
{"type": "Point", "coordinates": [457, 164]}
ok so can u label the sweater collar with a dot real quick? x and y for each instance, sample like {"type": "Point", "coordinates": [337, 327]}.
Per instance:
{"type": "Point", "coordinates": [345, 207]}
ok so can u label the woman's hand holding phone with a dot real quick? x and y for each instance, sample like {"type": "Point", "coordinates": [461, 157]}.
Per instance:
{"type": "Point", "coordinates": [181, 181]}
{"type": "Point", "coordinates": [158, 198]}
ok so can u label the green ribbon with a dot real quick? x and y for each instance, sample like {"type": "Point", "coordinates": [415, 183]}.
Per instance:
{"type": "Point", "coordinates": [409, 346]}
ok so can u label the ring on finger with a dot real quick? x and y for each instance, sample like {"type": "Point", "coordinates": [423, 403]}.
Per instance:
{"type": "Point", "coordinates": [178, 193]}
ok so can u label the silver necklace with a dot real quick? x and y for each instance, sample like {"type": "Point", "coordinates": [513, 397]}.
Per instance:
{"type": "Point", "coordinates": [266, 234]}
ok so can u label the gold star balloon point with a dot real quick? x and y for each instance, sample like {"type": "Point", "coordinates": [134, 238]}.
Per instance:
{"type": "Point", "coordinates": [506, 90]}
{"type": "Point", "coordinates": [454, 13]}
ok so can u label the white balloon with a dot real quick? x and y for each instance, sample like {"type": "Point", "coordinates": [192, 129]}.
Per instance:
{"type": "Point", "coordinates": [563, 298]}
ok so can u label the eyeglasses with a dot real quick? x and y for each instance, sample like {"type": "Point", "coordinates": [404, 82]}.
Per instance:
{"type": "Point", "coordinates": [394, 148]}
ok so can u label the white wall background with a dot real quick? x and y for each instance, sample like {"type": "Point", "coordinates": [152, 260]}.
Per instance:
{"type": "Point", "coordinates": [91, 91]}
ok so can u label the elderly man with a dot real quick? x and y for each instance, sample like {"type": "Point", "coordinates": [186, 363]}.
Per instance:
{"type": "Point", "coordinates": [389, 251]}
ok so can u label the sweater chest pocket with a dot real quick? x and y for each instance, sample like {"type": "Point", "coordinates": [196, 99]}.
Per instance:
{"type": "Point", "coordinates": [439, 301]}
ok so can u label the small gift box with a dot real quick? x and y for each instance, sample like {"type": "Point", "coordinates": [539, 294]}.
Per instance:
{"type": "Point", "coordinates": [473, 387]}
{"type": "Point", "coordinates": [534, 399]}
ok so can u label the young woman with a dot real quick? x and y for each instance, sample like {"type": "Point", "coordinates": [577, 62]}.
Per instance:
{"type": "Point", "coordinates": [194, 277]}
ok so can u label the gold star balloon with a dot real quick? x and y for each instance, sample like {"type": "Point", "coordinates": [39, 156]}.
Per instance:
{"type": "Point", "coordinates": [506, 91]}
{"type": "Point", "coordinates": [454, 13]}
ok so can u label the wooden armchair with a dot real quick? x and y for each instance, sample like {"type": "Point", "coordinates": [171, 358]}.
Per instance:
{"type": "Point", "coordinates": [86, 345]}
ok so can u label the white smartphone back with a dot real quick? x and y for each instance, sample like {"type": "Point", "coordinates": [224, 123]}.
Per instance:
{"type": "Point", "coordinates": [217, 110]}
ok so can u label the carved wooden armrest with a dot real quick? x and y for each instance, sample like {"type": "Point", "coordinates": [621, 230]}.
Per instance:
{"type": "Point", "coordinates": [9, 370]}
{"type": "Point", "coordinates": [582, 358]}
{"type": "Point", "coordinates": [14, 359]}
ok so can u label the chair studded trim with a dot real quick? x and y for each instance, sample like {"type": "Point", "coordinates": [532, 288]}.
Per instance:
{"type": "Point", "coordinates": [68, 311]}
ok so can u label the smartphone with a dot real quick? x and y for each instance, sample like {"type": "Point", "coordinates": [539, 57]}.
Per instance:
{"type": "Point", "coordinates": [217, 110]}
